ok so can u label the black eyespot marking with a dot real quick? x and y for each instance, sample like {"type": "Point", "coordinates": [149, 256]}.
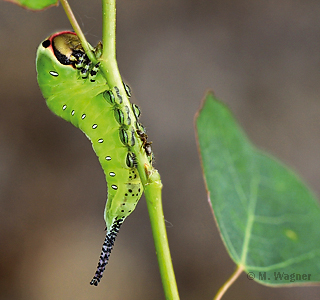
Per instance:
{"type": "Point", "coordinates": [83, 116]}
{"type": "Point", "coordinates": [94, 126]}
{"type": "Point", "coordinates": [64, 107]}
{"type": "Point", "coordinates": [108, 158]}
{"type": "Point", "coordinates": [114, 187]}
{"type": "Point", "coordinates": [100, 141]}
{"type": "Point", "coordinates": [130, 190]}
{"type": "Point", "coordinates": [46, 43]}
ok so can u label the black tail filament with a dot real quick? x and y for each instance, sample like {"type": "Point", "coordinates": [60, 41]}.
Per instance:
{"type": "Point", "coordinates": [106, 251]}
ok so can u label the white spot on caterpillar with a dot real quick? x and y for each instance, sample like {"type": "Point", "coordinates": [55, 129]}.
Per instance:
{"type": "Point", "coordinates": [100, 141]}
{"type": "Point", "coordinates": [114, 187]}
{"type": "Point", "coordinates": [53, 73]}
{"type": "Point", "coordinates": [64, 107]}
{"type": "Point", "coordinates": [108, 158]}
{"type": "Point", "coordinates": [112, 174]}
{"type": "Point", "coordinates": [72, 113]}
{"type": "Point", "coordinates": [94, 126]}
{"type": "Point", "coordinates": [83, 116]}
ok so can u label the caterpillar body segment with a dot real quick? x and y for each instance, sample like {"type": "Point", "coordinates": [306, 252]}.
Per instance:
{"type": "Point", "coordinates": [76, 91]}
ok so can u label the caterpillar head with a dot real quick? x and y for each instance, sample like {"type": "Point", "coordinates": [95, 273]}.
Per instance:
{"type": "Point", "coordinates": [57, 57]}
{"type": "Point", "coordinates": [65, 46]}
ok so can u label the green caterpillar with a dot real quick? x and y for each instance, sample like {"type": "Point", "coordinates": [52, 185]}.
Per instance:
{"type": "Point", "coordinates": [75, 91]}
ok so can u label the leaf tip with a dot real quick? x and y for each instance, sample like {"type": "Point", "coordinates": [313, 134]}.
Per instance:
{"type": "Point", "coordinates": [35, 5]}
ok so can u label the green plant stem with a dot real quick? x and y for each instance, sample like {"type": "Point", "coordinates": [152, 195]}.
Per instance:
{"type": "Point", "coordinates": [149, 176]}
{"type": "Point", "coordinates": [228, 283]}
{"type": "Point", "coordinates": [153, 195]}
{"type": "Point", "coordinates": [78, 30]}
{"type": "Point", "coordinates": [109, 29]}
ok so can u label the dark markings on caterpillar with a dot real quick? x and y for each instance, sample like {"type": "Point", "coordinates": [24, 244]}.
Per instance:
{"type": "Point", "coordinates": [131, 160]}
{"type": "Point", "coordinates": [108, 158]}
{"type": "Point", "coordinates": [85, 71]}
{"type": "Point", "coordinates": [133, 139]}
{"type": "Point", "coordinates": [136, 111]}
{"type": "Point", "coordinates": [94, 72]}
{"type": "Point", "coordinates": [54, 74]}
{"type": "Point", "coordinates": [79, 63]}
{"type": "Point", "coordinates": [64, 107]}
{"type": "Point", "coordinates": [72, 113]}
{"type": "Point", "coordinates": [108, 95]}
{"type": "Point", "coordinates": [106, 251]}
{"type": "Point", "coordinates": [118, 94]}
{"type": "Point", "coordinates": [46, 43]}
{"type": "Point", "coordinates": [118, 114]}
{"type": "Point", "coordinates": [114, 187]}
{"type": "Point", "coordinates": [83, 116]}
{"type": "Point", "coordinates": [127, 89]}
{"type": "Point", "coordinates": [128, 115]}
{"type": "Point", "coordinates": [100, 141]}
{"type": "Point", "coordinates": [123, 136]}
{"type": "Point", "coordinates": [94, 126]}
{"type": "Point", "coordinates": [112, 174]}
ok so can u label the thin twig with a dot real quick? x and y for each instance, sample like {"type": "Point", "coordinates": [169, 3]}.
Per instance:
{"type": "Point", "coordinates": [228, 283]}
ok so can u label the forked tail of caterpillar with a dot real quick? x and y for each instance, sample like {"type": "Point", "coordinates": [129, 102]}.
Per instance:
{"type": "Point", "coordinates": [106, 250]}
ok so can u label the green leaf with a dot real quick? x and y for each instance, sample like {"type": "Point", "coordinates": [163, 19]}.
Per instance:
{"type": "Point", "coordinates": [35, 4]}
{"type": "Point", "coordinates": [268, 219]}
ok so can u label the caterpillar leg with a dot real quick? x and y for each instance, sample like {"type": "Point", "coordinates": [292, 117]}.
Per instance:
{"type": "Point", "coordinates": [106, 250]}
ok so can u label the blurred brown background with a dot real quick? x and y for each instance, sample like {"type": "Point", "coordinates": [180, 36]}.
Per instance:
{"type": "Point", "coordinates": [261, 57]}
